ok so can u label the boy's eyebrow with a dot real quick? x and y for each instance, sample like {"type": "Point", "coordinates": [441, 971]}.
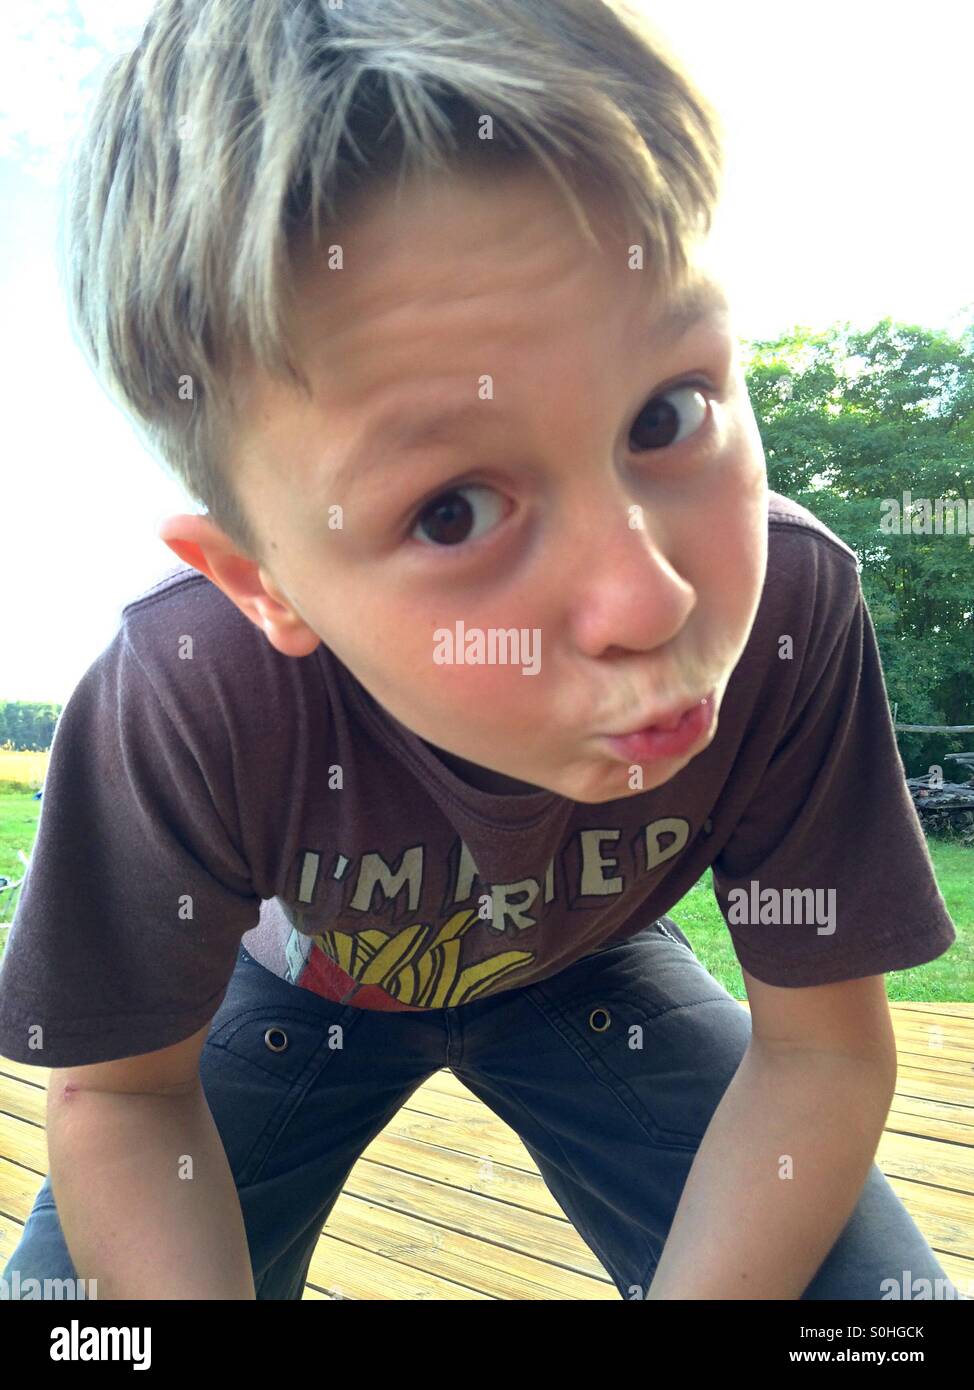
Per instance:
{"type": "Point", "coordinates": [394, 432]}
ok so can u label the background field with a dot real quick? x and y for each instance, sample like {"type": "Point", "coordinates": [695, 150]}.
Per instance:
{"type": "Point", "coordinates": [951, 977]}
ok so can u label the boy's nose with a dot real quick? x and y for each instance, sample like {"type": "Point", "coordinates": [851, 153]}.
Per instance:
{"type": "Point", "coordinates": [622, 592]}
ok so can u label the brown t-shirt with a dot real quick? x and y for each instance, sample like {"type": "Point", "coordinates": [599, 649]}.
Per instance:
{"type": "Point", "coordinates": [204, 789]}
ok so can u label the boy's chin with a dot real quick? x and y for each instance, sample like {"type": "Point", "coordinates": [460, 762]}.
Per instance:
{"type": "Point", "coordinates": [611, 783]}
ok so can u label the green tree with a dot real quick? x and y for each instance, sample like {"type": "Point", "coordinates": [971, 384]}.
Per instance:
{"type": "Point", "coordinates": [849, 419]}
{"type": "Point", "coordinates": [27, 725]}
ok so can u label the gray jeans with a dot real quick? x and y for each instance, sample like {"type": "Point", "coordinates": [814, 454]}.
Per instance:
{"type": "Point", "coordinates": [551, 1059]}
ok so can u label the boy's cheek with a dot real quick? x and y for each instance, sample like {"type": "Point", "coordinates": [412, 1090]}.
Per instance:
{"type": "Point", "coordinates": [730, 550]}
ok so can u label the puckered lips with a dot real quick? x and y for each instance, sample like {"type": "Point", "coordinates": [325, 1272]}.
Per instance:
{"type": "Point", "coordinates": [669, 735]}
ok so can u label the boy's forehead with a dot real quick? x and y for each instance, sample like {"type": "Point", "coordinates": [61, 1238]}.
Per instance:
{"type": "Point", "coordinates": [666, 309]}
{"type": "Point", "coordinates": [445, 229]}
{"type": "Point", "coordinates": [334, 346]}
{"type": "Point", "coordinates": [413, 426]}
{"type": "Point", "coordinates": [377, 427]}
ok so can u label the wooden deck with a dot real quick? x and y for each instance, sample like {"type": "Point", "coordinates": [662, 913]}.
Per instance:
{"type": "Point", "coordinates": [446, 1203]}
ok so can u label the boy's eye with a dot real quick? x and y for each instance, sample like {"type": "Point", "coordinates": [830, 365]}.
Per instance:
{"type": "Point", "coordinates": [450, 519]}
{"type": "Point", "coordinates": [661, 425]}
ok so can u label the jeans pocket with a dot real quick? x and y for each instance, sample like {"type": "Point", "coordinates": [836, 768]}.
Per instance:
{"type": "Point", "coordinates": [659, 1032]}
{"type": "Point", "coordinates": [259, 1060]}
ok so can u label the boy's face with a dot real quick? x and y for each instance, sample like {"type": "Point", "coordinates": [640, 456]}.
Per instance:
{"type": "Point", "coordinates": [605, 490]}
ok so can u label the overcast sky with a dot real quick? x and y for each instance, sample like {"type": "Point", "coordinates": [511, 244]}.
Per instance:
{"type": "Point", "coordinates": [848, 198]}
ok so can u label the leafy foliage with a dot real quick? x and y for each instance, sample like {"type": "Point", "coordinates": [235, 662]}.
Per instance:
{"type": "Point", "coordinates": [849, 419]}
{"type": "Point", "coordinates": [27, 725]}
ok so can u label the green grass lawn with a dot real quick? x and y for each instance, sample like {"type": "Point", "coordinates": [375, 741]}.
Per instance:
{"type": "Point", "coordinates": [19, 814]}
{"type": "Point", "coordinates": [951, 977]}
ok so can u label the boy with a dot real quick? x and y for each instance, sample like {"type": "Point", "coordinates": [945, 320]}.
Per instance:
{"type": "Point", "coordinates": [446, 773]}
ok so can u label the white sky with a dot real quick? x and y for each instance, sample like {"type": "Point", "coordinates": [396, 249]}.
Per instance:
{"type": "Point", "coordinates": [848, 198]}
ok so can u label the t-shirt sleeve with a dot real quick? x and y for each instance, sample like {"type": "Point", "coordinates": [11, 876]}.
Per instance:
{"type": "Point", "coordinates": [827, 876]}
{"type": "Point", "coordinates": [136, 896]}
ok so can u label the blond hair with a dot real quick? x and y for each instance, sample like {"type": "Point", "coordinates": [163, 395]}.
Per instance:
{"type": "Point", "coordinates": [235, 127]}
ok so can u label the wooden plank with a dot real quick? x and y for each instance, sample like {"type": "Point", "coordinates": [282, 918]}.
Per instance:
{"type": "Point", "coordinates": [25, 1143]}
{"type": "Point", "coordinates": [449, 1084]}
{"type": "Point", "coordinates": [38, 1075]}
{"type": "Point", "coordinates": [957, 1011]}
{"type": "Point", "coordinates": [473, 1130]}
{"type": "Point", "coordinates": [10, 1233]}
{"type": "Point", "coordinates": [924, 1160]}
{"type": "Point", "coordinates": [922, 1030]}
{"type": "Point", "coordinates": [18, 1188]}
{"type": "Point", "coordinates": [912, 1014]}
{"type": "Point", "coordinates": [933, 1084]}
{"type": "Point", "coordinates": [943, 1217]}
{"type": "Point", "coordinates": [515, 1228]}
{"type": "Point", "coordinates": [934, 1038]}
{"type": "Point", "coordinates": [930, 1059]}
{"type": "Point", "coordinates": [477, 1264]}
{"type": "Point", "coordinates": [341, 1270]}
{"type": "Point", "coordinates": [962, 1115]}
{"type": "Point", "coordinates": [936, 1060]}
{"type": "Point", "coordinates": [960, 1270]}
{"type": "Point", "coordinates": [444, 1164]}
{"type": "Point", "coordinates": [924, 1118]}
{"type": "Point", "coordinates": [23, 1100]}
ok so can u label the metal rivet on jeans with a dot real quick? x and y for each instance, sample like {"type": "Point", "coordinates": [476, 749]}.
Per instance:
{"type": "Point", "coordinates": [599, 1020]}
{"type": "Point", "coordinates": [276, 1039]}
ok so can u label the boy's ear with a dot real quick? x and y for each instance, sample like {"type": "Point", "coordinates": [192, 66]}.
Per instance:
{"type": "Point", "coordinates": [198, 542]}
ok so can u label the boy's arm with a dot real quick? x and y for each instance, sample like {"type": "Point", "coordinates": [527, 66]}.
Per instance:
{"type": "Point", "coordinates": [783, 1162]}
{"type": "Point", "coordinates": [144, 1191]}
